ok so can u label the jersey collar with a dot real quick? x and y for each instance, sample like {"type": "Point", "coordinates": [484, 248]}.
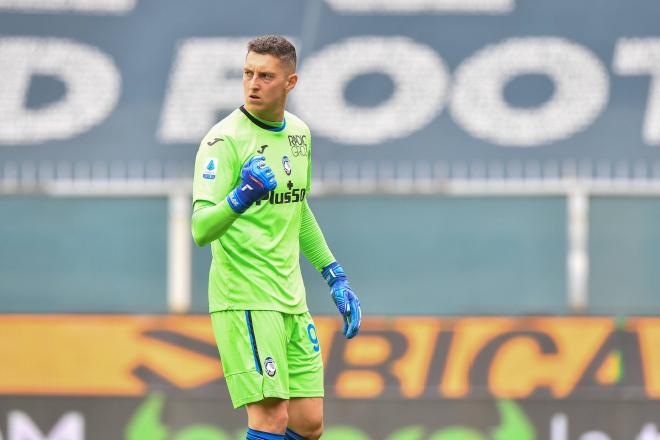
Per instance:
{"type": "Point", "coordinates": [261, 124]}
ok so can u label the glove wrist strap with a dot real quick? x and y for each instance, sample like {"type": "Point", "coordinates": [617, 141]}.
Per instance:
{"type": "Point", "coordinates": [235, 202]}
{"type": "Point", "coordinates": [333, 272]}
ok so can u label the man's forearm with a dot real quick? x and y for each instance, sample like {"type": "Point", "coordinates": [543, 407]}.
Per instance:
{"type": "Point", "coordinates": [211, 221]}
{"type": "Point", "coordinates": [312, 242]}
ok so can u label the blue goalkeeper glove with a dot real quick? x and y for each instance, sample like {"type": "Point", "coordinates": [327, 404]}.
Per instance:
{"type": "Point", "coordinates": [345, 300]}
{"type": "Point", "coordinates": [257, 179]}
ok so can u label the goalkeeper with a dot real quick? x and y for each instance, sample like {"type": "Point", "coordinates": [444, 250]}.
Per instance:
{"type": "Point", "coordinates": [252, 178]}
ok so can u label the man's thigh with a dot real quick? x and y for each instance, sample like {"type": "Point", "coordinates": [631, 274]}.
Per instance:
{"type": "Point", "coordinates": [304, 357]}
{"type": "Point", "coordinates": [268, 415]}
{"type": "Point", "coordinates": [252, 346]}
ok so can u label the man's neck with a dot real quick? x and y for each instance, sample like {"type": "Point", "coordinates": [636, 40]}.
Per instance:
{"type": "Point", "coordinates": [273, 117]}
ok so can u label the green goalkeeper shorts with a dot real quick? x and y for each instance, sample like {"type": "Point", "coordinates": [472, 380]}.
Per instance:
{"type": "Point", "coordinates": [268, 354]}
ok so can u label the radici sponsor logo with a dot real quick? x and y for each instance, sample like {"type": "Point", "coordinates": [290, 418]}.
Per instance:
{"type": "Point", "coordinates": [298, 145]}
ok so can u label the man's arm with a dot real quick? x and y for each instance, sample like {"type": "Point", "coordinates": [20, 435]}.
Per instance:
{"type": "Point", "coordinates": [316, 250]}
{"type": "Point", "coordinates": [210, 221]}
{"type": "Point", "coordinates": [312, 241]}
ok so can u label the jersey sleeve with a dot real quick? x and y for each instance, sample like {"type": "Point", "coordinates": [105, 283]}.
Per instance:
{"type": "Point", "coordinates": [312, 242]}
{"type": "Point", "coordinates": [216, 168]}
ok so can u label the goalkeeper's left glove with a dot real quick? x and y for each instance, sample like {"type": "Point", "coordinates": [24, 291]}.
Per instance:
{"type": "Point", "coordinates": [345, 300]}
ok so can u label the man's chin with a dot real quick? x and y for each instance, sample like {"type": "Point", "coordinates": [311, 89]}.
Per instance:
{"type": "Point", "coordinates": [254, 105]}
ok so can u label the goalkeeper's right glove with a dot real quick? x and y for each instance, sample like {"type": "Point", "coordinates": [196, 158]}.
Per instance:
{"type": "Point", "coordinates": [257, 179]}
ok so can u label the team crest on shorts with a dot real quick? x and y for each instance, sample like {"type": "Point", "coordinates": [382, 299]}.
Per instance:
{"type": "Point", "coordinates": [269, 366]}
{"type": "Point", "coordinates": [287, 165]}
{"type": "Point", "coordinates": [209, 169]}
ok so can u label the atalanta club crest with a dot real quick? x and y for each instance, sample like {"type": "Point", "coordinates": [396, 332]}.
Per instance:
{"type": "Point", "coordinates": [287, 165]}
{"type": "Point", "coordinates": [269, 366]}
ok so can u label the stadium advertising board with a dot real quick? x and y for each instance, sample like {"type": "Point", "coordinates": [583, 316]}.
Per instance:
{"type": "Point", "coordinates": [84, 377]}
{"type": "Point", "coordinates": [469, 82]}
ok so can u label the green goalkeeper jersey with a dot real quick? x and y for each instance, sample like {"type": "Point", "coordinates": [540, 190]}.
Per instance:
{"type": "Point", "coordinates": [255, 262]}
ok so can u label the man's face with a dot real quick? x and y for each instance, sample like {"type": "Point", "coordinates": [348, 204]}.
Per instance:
{"type": "Point", "coordinates": [266, 82]}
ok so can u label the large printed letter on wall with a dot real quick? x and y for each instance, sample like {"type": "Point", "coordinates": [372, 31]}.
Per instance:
{"type": "Point", "coordinates": [206, 78]}
{"type": "Point", "coordinates": [420, 81]}
{"type": "Point", "coordinates": [581, 91]}
{"type": "Point", "coordinates": [641, 56]}
{"type": "Point", "coordinates": [90, 76]}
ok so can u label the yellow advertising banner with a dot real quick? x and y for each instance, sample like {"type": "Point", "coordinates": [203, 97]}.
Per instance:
{"type": "Point", "coordinates": [403, 357]}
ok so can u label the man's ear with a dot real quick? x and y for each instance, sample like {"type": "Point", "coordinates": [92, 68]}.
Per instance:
{"type": "Point", "coordinates": [291, 82]}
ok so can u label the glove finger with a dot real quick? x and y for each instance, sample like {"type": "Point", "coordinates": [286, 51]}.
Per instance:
{"type": "Point", "coordinates": [259, 165]}
{"type": "Point", "coordinates": [344, 329]}
{"type": "Point", "coordinates": [255, 160]}
{"type": "Point", "coordinates": [358, 319]}
{"type": "Point", "coordinates": [354, 320]}
{"type": "Point", "coordinates": [340, 301]}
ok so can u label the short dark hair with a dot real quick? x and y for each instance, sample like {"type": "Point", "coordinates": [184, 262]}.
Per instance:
{"type": "Point", "coordinates": [275, 45]}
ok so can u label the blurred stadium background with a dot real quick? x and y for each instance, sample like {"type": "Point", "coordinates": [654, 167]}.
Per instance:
{"type": "Point", "coordinates": [486, 170]}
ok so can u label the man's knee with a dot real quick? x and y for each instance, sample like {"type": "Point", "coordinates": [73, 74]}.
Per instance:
{"type": "Point", "coordinates": [315, 430]}
{"type": "Point", "coordinates": [306, 418]}
{"type": "Point", "coordinates": [278, 422]}
{"type": "Point", "coordinates": [311, 429]}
